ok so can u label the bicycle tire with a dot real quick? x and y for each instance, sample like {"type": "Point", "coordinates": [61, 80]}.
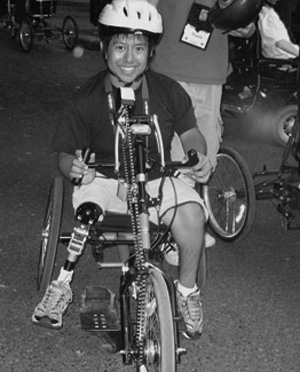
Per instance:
{"type": "Point", "coordinates": [159, 338]}
{"type": "Point", "coordinates": [283, 122]}
{"type": "Point", "coordinates": [26, 34]}
{"type": "Point", "coordinates": [50, 234]}
{"type": "Point", "coordinates": [230, 196]}
{"type": "Point", "coordinates": [69, 32]}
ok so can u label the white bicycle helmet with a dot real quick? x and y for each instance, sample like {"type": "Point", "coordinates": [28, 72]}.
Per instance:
{"type": "Point", "coordinates": [130, 16]}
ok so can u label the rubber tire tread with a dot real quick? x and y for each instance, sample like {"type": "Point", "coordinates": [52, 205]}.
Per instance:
{"type": "Point", "coordinates": [53, 215]}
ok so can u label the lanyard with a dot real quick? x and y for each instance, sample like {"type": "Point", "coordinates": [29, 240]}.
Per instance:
{"type": "Point", "coordinates": [111, 100]}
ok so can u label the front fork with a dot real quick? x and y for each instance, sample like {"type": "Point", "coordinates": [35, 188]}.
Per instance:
{"type": "Point", "coordinates": [136, 271]}
{"type": "Point", "coordinates": [128, 289]}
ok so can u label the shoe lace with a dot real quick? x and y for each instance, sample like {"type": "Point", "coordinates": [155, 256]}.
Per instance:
{"type": "Point", "coordinates": [54, 297]}
{"type": "Point", "coordinates": [193, 306]}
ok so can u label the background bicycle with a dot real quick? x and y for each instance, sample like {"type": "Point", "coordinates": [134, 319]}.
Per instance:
{"type": "Point", "coordinates": [281, 185]}
{"type": "Point", "coordinates": [29, 20]}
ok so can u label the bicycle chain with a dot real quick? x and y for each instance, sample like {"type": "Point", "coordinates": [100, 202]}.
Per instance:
{"type": "Point", "coordinates": [130, 179]}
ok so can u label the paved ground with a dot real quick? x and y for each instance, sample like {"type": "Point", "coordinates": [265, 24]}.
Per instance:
{"type": "Point", "coordinates": [253, 290]}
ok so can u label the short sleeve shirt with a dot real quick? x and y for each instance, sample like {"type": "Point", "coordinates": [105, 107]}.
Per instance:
{"type": "Point", "coordinates": [85, 120]}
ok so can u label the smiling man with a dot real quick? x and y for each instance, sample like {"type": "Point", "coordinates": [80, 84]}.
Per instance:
{"type": "Point", "coordinates": [129, 31]}
{"type": "Point", "coordinates": [127, 57]}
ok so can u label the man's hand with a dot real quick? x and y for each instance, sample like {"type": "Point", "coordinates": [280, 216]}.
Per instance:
{"type": "Point", "coordinates": [202, 170]}
{"type": "Point", "coordinates": [80, 169]}
{"type": "Point", "coordinates": [245, 32]}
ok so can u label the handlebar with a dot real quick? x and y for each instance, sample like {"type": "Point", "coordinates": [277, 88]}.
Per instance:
{"type": "Point", "coordinates": [193, 159]}
{"type": "Point", "coordinates": [86, 154]}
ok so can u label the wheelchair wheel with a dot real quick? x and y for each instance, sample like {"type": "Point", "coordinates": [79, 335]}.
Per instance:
{"type": "Point", "coordinates": [230, 196]}
{"type": "Point", "coordinates": [158, 344]}
{"type": "Point", "coordinates": [283, 122]}
{"type": "Point", "coordinates": [26, 35]}
{"type": "Point", "coordinates": [69, 32]}
{"type": "Point", "coordinates": [50, 234]}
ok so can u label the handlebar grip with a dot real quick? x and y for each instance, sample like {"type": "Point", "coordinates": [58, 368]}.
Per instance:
{"type": "Point", "coordinates": [193, 158]}
{"type": "Point", "coordinates": [86, 154]}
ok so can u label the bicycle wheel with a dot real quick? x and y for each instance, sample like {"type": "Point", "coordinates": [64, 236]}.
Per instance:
{"type": "Point", "coordinates": [230, 196]}
{"type": "Point", "coordinates": [283, 123]}
{"type": "Point", "coordinates": [26, 35]}
{"type": "Point", "coordinates": [158, 352]}
{"type": "Point", "coordinates": [50, 234]}
{"type": "Point", "coordinates": [69, 32]}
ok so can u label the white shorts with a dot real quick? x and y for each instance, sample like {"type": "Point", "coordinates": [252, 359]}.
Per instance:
{"type": "Point", "coordinates": [103, 191]}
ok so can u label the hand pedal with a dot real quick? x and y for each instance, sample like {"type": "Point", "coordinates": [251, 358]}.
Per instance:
{"type": "Point", "coordinates": [98, 310]}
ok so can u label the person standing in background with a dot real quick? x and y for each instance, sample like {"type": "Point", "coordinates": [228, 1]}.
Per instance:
{"type": "Point", "coordinates": [195, 54]}
{"type": "Point", "coordinates": [200, 69]}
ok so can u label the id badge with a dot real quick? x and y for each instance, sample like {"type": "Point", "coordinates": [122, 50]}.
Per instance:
{"type": "Point", "coordinates": [197, 29]}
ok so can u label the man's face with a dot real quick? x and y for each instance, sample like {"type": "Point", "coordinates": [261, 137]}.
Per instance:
{"type": "Point", "coordinates": [127, 56]}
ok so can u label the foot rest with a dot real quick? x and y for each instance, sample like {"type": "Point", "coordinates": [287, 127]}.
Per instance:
{"type": "Point", "coordinates": [98, 311]}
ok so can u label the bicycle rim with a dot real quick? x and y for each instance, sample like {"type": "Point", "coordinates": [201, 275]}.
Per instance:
{"type": "Point", "coordinates": [158, 336]}
{"type": "Point", "coordinates": [230, 196]}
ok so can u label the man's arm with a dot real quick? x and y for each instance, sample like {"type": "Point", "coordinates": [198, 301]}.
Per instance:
{"type": "Point", "coordinates": [288, 47]}
{"type": "Point", "coordinates": [245, 32]}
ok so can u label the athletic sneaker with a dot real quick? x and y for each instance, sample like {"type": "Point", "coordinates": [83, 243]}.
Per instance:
{"type": "Point", "coordinates": [190, 308]}
{"type": "Point", "coordinates": [49, 312]}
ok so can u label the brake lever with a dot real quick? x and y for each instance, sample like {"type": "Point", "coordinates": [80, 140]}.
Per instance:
{"type": "Point", "coordinates": [193, 158]}
{"type": "Point", "coordinates": [86, 154]}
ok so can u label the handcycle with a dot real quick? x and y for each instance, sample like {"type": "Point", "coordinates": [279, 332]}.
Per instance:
{"type": "Point", "coordinates": [259, 82]}
{"type": "Point", "coordinates": [145, 316]}
{"type": "Point", "coordinates": [32, 23]}
{"type": "Point", "coordinates": [283, 185]}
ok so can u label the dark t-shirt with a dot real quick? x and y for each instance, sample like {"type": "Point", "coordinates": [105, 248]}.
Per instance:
{"type": "Point", "coordinates": [85, 120]}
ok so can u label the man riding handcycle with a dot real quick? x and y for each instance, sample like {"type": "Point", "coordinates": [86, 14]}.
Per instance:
{"type": "Point", "coordinates": [129, 32]}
